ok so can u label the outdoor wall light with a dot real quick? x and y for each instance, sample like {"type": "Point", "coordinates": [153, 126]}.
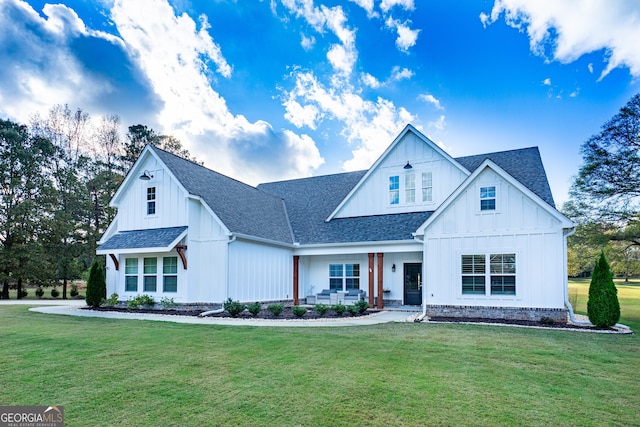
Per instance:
{"type": "Point", "coordinates": [145, 176]}
{"type": "Point", "coordinates": [408, 165]}
{"type": "Point", "coordinates": [393, 268]}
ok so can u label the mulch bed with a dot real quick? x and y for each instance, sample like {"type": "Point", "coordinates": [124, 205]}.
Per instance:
{"type": "Point", "coordinates": [529, 323]}
{"type": "Point", "coordinates": [287, 314]}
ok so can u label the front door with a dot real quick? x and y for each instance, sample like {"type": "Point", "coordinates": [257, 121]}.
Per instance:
{"type": "Point", "coordinates": [413, 284]}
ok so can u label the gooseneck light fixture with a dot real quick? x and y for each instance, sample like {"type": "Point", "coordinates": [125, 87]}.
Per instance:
{"type": "Point", "coordinates": [146, 176]}
{"type": "Point", "coordinates": [408, 165]}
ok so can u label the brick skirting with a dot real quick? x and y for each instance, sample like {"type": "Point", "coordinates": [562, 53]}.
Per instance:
{"type": "Point", "coordinates": [559, 315]}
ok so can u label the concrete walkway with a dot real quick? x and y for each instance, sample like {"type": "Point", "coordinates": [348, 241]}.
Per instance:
{"type": "Point", "coordinates": [74, 308]}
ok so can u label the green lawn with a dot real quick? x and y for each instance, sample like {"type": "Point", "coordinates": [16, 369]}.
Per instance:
{"type": "Point", "coordinates": [137, 373]}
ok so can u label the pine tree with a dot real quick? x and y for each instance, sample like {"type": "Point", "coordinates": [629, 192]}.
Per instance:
{"type": "Point", "coordinates": [96, 286]}
{"type": "Point", "coordinates": [603, 306]}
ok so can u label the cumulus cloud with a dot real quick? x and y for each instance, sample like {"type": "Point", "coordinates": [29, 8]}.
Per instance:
{"type": "Point", "coordinates": [386, 5]}
{"type": "Point", "coordinates": [175, 55]}
{"type": "Point", "coordinates": [547, 82]}
{"type": "Point", "coordinates": [566, 30]}
{"type": "Point", "coordinates": [407, 37]}
{"type": "Point", "coordinates": [370, 81]}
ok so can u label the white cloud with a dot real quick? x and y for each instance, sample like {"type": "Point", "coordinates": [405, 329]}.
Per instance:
{"type": "Point", "coordinates": [386, 5]}
{"type": "Point", "coordinates": [398, 73]}
{"type": "Point", "coordinates": [439, 124]}
{"type": "Point", "coordinates": [307, 43]}
{"type": "Point", "coordinates": [174, 54]}
{"type": "Point", "coordinates": [407, 37]}
{"type": "Point", "coordinates": [547, 82]}
{"type": "Point", "coordinates": [567, 30]}
{"type": "Point", "coordinates": [590, 68]}
{"type": "Point", "coordinates": [369, 80]}
{"type": "Point", "coordinates": [431, 100]}
{"type": "Point", "coordinates": [366, 5]}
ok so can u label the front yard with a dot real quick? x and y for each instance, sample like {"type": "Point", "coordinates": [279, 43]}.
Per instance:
{"type": "Point", "coordinates": [136, 373]}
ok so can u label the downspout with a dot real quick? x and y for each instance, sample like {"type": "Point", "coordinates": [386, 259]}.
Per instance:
{"type": "Point", "coordinates": [220, 310]}
{"type": "Point", "coordinates": [566, 278]}
{"type": "Point", "coordinates": [424, 288]}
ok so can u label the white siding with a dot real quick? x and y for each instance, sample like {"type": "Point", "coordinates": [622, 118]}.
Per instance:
{"type": "Point", "coordinates": [372, 197]}
{"type": "Point", "coordinates": [259, 272]}
{"type": "Point", "coordinates": [518, 225]}
{"type": "Point", "coordinates": [171, 202]}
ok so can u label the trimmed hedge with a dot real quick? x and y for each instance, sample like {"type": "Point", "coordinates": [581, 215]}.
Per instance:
{"type": "Point", "coordinates": [96, 286]}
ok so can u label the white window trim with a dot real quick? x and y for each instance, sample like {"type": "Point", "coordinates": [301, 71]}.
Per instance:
{"type": "Point", "coordinates": [344, 274]}
{"type": "Point", "coordinates": [146, 201]}
{"type": "Point", "coordinates": [159, 274]}
{"type": "Point", "coordinates": [487, 285]}
{"type": "Point", "coordinates": [478, 200]}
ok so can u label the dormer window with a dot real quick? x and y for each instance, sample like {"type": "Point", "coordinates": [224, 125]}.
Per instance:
{"type": "Point", "coordinates": [151, 201]}
{"type": "Point", "coordinates": [410, 188]}
{"type": "Point", "coordinates": [488, 198]}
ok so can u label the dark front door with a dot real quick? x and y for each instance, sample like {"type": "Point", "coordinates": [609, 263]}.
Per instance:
{"type": "Point", "coordinates": [413, 284]}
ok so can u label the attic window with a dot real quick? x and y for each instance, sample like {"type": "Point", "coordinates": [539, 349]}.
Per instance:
{"type": "Point", "coordinates": [488, 198]}
{"type": "Point", "coordinates": [151, 201]}
{"type": "Point", "coordinates": [394, 190]}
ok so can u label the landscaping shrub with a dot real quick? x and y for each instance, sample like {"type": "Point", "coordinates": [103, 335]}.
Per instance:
{"type": "Point", "coordinates": [112, 301]}
{"type": "Point", "coordinates": [133, 302]}
{"type": "Point", "coordinates": [603, 307]}
{"type": "Point", "coordinates": [96, 286]}
{"type": "Point", "coordinates": [233, 307]}
{"type": "Point", "coordinates": [74, 291]}
{"type": "Point", "coordinates": [321, 309]}
{"type": "Point", "coordinates": [352, 310]}
{"type": "Point", "coordinates": [55, 292]}
{"type": "Point", "coordinates": [167, 303]}
{"type": "Point", "coordinates": [147, 301]}
{"type": "Point", "coordinates": [361, 305]}
{"type": "Point", "coordinates": [276, 309]}
{"type": "Point", "coordinates": [339, 309]}
{"type": "Point", "coordinates": [254, 308]}
{"type": "Point", "coordinates": [298, 311]}
{"type": "Point", "coordinates": [39, 292]}
{"type": "Point", "coordinates": [24, 293]}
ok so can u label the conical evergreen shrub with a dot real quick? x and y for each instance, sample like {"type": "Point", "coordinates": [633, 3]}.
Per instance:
{"type": "Point", "coordinates": [96, 286]}
{"type": "Point", "coordinates": [603, 306]}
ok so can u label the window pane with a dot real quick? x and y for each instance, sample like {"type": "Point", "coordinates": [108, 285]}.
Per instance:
{"type": "Point", "coordinates": [487, 192]}
{"type": "Point", "coordinates": [427, 179]}
{"type": "Point", "coordinates": [131, 284]}
{"type": "Point", "coordinates": [394, 197]}
{"type": "Point", "coordinates": [473, 285]}
{"type": "Point", "coordinates": [427, 194]}
{"type": "Point", "coordinates": [170, 284]}
{"type": "Point", "coordinates": [394, 183]}
{"type": "Point", "coordinates": [473, 264]}
{"type": "Point", "coordinates": [353, 283]}
{"type": "Point", "coordinates": [503, 285]}
{"type": "Point", "coordinates": [335, 270]}
{"type": "Point", "coordinates": [335, 284]}
{"type": "Point", "coordinates": [170, 265]}
{"type": "Point", "coordinates": [151, 193]}
{"type": "Point", "coordinates": [131, 266]}
{"type": "Point", "coordinates": [151, 208]}
{"type": "Point", "coordinates": [394, 190]}
{"type": "Point", "coordinates": [150, 265]}
{"type": "Point", "coordinates": [149, 283]}
{"type": "Point", "coordinates": [353, 270]}
{"type": "Point", "coordinates": [488, 205]}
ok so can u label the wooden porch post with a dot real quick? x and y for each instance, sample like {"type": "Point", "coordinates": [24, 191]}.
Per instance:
{"type": "Point", "coordinates": [380, 289]}
{"type": "Point", "coordinates": [371, 279]}
{"type": "Point", "coordinates": [296, 262]}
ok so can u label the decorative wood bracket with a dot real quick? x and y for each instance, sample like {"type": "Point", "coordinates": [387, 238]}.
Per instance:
{"type": "Point", "coordinates": [115, 261]}
{"type": "Point", "coordinates": [180, 249]}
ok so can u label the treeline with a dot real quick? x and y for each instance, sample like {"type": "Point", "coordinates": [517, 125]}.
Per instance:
{"type": "Point", "coordinates": [57, 176]}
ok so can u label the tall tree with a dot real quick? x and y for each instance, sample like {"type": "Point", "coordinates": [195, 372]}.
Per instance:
{"type": "Point", "coordinates": [606, 191]}
{"type": "Point", "coordinates": [24, 184]}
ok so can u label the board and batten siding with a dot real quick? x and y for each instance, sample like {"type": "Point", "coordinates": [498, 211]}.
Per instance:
{"type": "Point", "coordinates": [372, 197]}
{"type": "Point", "coordinates": [171, 201]}
{"type": "Point", "coordinates": [518, 225]}
{"type": "Point", "coordinates": [259, 272]}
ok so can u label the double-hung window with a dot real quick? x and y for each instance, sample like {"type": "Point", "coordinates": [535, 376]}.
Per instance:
{"type": "Point", "coordinates": [473, 274]}
{"type": "Point", "coordinates": [151, 201]}
{"type": "Point", "coordinates": [394, 190]}
{"type": "Point", "coordinates": [497, 269]}
{"type": "Point", "coordinates": [170, 274]}
{"type": "Point", "coordinates": [150, 272]}
{"type": "Point", "coordinates": [410, 188]}
{"type": "Point", "coordinates": [344, 276]}
{"type": "Point", "coordinates": [488, 198]}
{"type": "Point", "coordinates": [427, 187]}
{"type": "Point", "coordinates": [131, 274]}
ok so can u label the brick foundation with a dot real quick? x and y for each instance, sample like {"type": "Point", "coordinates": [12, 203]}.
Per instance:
{"type": "Point", "coordinates": [559, 315]}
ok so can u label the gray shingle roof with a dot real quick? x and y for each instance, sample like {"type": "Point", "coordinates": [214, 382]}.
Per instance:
{"type": "Point", "coordinates": [243, 209]}
{"type": "Point", "coordinates": [525, 165]}
{"type": "Point", "coordinates": [135, 239]}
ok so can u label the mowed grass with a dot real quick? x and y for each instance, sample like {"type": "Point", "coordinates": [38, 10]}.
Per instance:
{"type": "Point", "coordinates": [140, 373]}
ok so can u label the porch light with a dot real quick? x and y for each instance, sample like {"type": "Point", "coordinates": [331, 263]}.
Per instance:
{"type": "Point", "coordinates": [146, 176]}
{"type": "Point", "coordinates": [393, 268]}
{"type": "Point", "coordinates": [408, 165]}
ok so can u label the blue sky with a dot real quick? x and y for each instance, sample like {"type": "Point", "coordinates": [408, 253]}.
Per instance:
{"type": "Point", "coordinates": [270, 90]}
